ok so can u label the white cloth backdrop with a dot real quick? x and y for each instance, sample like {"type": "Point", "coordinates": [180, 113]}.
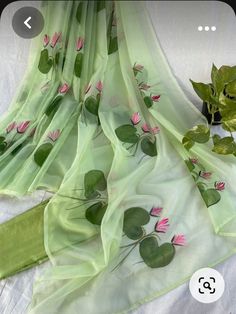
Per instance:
{"type": "Point", "coordinates": [190, 54]}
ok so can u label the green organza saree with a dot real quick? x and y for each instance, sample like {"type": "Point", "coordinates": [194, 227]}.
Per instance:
{"type": "Point", "coordinates": [99, 122]}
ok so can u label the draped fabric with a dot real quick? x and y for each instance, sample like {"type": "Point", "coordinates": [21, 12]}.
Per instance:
{"type": "Point", "coordinates": [99, 121]}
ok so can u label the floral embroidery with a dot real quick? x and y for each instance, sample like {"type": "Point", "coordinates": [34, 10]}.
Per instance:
{"type": "Point", "coordinates": [11, 127]}
{"type": "Point", "coordinates": [130, 134]}
{"type": "Point", "coordinates": [209, 190]}
{"type": "Point", "coordinates": [64, 88]}
{"type": "Point", "coordinates": [55, 38]}
{"type": "Point", "coordinates": [99, 86]}
{"type": "Point", "coordinates": [53, 135]}
{"type": "Point", "coordinates": [79, 57]}
{"type": "Point", "coordinates": [79, 44]}
{"type": "Point", "coordinates": [152, 254]}
{"type": "Point", "coordinates": [23, 126]}
{"type": "Point", "coordinates": [46, 40]}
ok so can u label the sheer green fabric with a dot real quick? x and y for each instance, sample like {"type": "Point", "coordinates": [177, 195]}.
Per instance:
{"type": "Point", "coordinates": [118, 166]}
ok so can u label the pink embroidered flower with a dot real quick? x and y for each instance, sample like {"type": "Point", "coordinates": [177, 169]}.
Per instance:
{"type": "Point", "coordinates": [179, 239]}
{"type": "Point", "coordinates": [99, 86]}
{"type": "Point", "coordinates": [138, 67]}
{"type": "Point", "coordinates": [46, 40]}
{"type": "Point", "coordinates": [53, 135]}
{"type": "Point", "coordinates": [64, 88]}
{"type": "Point", "coordinates": [11, 127]}
{"type": "Point", "coordinates": [145, 128]}
{"type": "Point", "coordinates": [87, 88]}
{"type": "Point", "coordinates": [205, 175]}
{"type": "Point", "coordinates": [144, 86]}
{"type": "Point", "coordinates": [155, 211]}
{"type": "Point", "coordinates": [155, 130]}
{"type": "Point", "coordinates": [156, 97]}
{"type": "Point", "coordinates": [79, 43]}
{"type": "Point", "coordinates": [23, 126]}
{"type": "Point", "coordinates": [162, 225]}
{"type": "Point", "coordinates": [55, 39]}
{"type": "Point", "coordinates": [135, 119]}
{"type": "Point", "coordinates": [194, 160]}
{"type": "Point", "coordinates": [220, 186]}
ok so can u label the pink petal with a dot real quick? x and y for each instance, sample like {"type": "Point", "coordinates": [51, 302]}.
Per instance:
{"type": "Point", "coordinates": [80, 44]}
{"type": "Point", "coordinates": [194, 160]}
{"type": "Point", "coordinates": [64, 88]}
{"type": "Point", "coordinates": [55, 39]}
{"type": "Point", "coordinates": [145, 128]}
{"type": "Point", "coordinates": [205, 175]}
{"type": "Point", "coordinates": [179, 240]}
{"type": "Point", "coordinates": [135, 119]}
{"type": "Point", "coordinates": [99, 86]}
{"type": "Point", "coordinates": [138, 67]}
{"type": "Point", "coordinates": [155, 130]}
{"type": "Point", "coordinates": [156, 98]}
{"type": "Point", "coordinates": [11, 127]}
{"type": "Point", "coordinates": [162, 225]}
{"type": "Point", "coordinates": [46, 40]}
{"type": "Point", "coordinates": [155, 211]}
{"type": "Point", "coordinates": [220, 186]}
{"type": "Point", "coordinates": [22, 127]}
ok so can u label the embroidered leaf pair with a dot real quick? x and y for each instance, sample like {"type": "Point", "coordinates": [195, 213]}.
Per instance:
{"type": "Point", "coordinates": [45, 62]}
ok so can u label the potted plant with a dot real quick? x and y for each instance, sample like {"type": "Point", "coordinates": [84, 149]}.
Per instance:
{"type": "Point", "coordinates": [219, 97]}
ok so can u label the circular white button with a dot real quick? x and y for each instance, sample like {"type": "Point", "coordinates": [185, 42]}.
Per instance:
{"type": "Point", "coordinates": [213, 28]}
{"type": "Point", "coordinates": [200, 28]}
{"type": "Point", "coordinates": [207, 28]}
{"type": "Point", "coordinates": [206, 285]}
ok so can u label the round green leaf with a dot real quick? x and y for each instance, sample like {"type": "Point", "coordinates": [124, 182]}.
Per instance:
{"type": "Point", "coordinates": [156, 256]}
{"type": "Point", "coordinates": [134, 217]}
{"type": "Point", "coordinates": [78, 64]}
{"type": "Point", "coordinates": [199, 134]}
{"type": "Point", "coordinates": [92, 104]}
{"type": "Point", "coordinates": [95, 213]}
{"type": "Point", "coordinates": [53, 106]}
{"type": "Point", "coordinates": [148, 101]}
{"type": "Point", "coordinates": [190, 165]}
{"type": "Point", "coordinates": [135, 232]}
{"type": "Point", "coordinates": [225, 146]}
{"type": "Point", "coordinates": [45, 63]}
{"type": "Point", "coordinates": [210, 197]}
{"type": "Point", "coordinates": [148, 147]}
{"type": "Point", "coordinates": [42, 153]}
{"type": "Point", "coordinates": [127, 133]}
{"type": "Point", "coordinates": [94, 180]}
{"type": "Point", "coordinates": [187, 143]}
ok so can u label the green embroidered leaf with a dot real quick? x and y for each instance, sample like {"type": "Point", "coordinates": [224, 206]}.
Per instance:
{"type": "Point", "coordinates": [45, 63]}
{"type": "Point", "coordinates": [127, 133]}
{"type": "Point", "coordinates": [57, 57]}
{"type": "Point", "coordinates": [156, 256]}
{"type": "Point", "coordinates": [95, 213]}
{"type": "Point", "coordinates": [78, 64]}
{"type": "Point", "coordinates": [210, 196]}
{"type": "Point", "coordinates": [135, 232]}
{"type": "Point", "coordinates": [148, 101]}
{"type": "Point", "coordinates": [2, 139]}
{"type": "Point", "coordinates": [113, 46]}
{"type": "Point", "coordinates": [190, 165]}
{"type": "Point", "coordinates": [225, 146]}
{"type": "Point", "coordinates": [79, 12]}
{"type": "Point", "coordinates": [17, 149]}
{"type": "Point", "coordinates": [100, 5]}
{"type": "Point", "coordinates": [134, 217]}
{"type": "Point", "coordinates": [3, 146]}
{"type": "Point", "coordinates": [199, 134]}
{"type": "Point", "coordinates": [53, 106]}
{"type": "Point", "coordinates": [187, 143]}
{"type": "Point", "coordinates": [148, 147]}
{"type": "Point", "coordinates": [92, 104]}
{"type": "Point", "coordinates": [42, 153]}
{"type": "Point", "coordinates": [201, 186]}
{"type": "Point", "coordinates": [94, 180]}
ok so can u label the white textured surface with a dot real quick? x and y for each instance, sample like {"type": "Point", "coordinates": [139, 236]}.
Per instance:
{"type": "Point", "coordinates": [190, 54]}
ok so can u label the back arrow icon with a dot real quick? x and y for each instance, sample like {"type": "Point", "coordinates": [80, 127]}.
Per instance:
{"type": "Point", "coordinates": [26, 22]}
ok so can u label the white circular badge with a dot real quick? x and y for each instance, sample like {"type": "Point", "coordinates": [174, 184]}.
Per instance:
{"type": "Point", "coordinates": [207, 285]}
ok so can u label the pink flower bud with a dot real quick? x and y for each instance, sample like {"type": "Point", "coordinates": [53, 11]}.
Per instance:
{"type": "Point", "coordinates": [220, 186]}
{"type": "Point", "coordinates": [135, 119]}
{"type": "Point", "coordinates": [11, 127]}
{"type": "Point", "coordinates": [194, 160]}
{"type": "Point", "coordinates": [55, 39]}
{"type": "Point", "coordinates": [162, 225]}
{"type": "Point", "coordinates": [156, 97]}
{"type": "Point", "coordinates": [46, 40]}
{"type": "Point", "coordinates": [145, 128]}
{"type": "Point", "coordinates": [179, 239]}
{"type": "Point", "coordinates": [155, 130]}
{"type": "Point", "coordinates": [99, 86]}
{"type": "Point", "coordinates": [79, 44]}
{"type": "Point", "coordinates": [144, 86]}
{"type": "Point", "coordinates": [155, 211]}
{"type": "Point", "coordinates": [138, 67]}
{"type": "Point", "coordinates": [205, 175]}
{"type": "Point", "coordinates": [53, 135]}
{"type": "Point", "coordinates": [23, 126]}
{"type": "Point", "coordinates": [64, 88]}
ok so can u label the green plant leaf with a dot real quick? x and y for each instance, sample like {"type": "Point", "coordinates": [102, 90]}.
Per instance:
{"type": "Point", "coordinates": [148, 101]}
{"type": "Point", "coordinates": [225, 75]}
{"type": "Point", "coordinates": [92, 104]}
{"type": "Point", "coordinates": [134, 217]}
{"type": "Point", "coordinates": [216, 138]}
{"type": "Point", "coordinates": [42, 153]}
{"type": "Point", "coordinates": [210, 197]}
{"type": "Point", "coordinates": [199, 133]}
{"type": "Point", "coordinates": [79, 12]}
{"type": "Point", "coordinates": [187, 143]}
{"type": "Point", "coordinates": [204, 91]}
{"type": "Point", "coordinates": [3, 146]}
{"type": "Point", "coordinates": [78, 64]}
{"type": "Point", "coordinates": [127, 133]}
{"type": "Point", "coordinates": [148, 147]}
{"type": "Point", "coordinates": [53, 106]}
{"type": "Point", "coordinates": [2, 139]}
{"type": "Point", "coordinates": [230, 89]}
{"type": "Point", "coordinates": [135, 232]}
{"type": "Point", "coordinates": [45, 63]}
{"type": "Point", "coordinates": [94, 180]}
{"type": "Point", "coordinates": [190, 165]}
{"type": "Point", "coordinates": [95, 213]}
{"type": "Point", "coordinates": [225, 146]}
{"type": "Point", "coordinates": [155, 256]}
{"type": "Point", "coordinates": [214, 76]}
{"type": "Point", "coordinates": [113, 46]}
